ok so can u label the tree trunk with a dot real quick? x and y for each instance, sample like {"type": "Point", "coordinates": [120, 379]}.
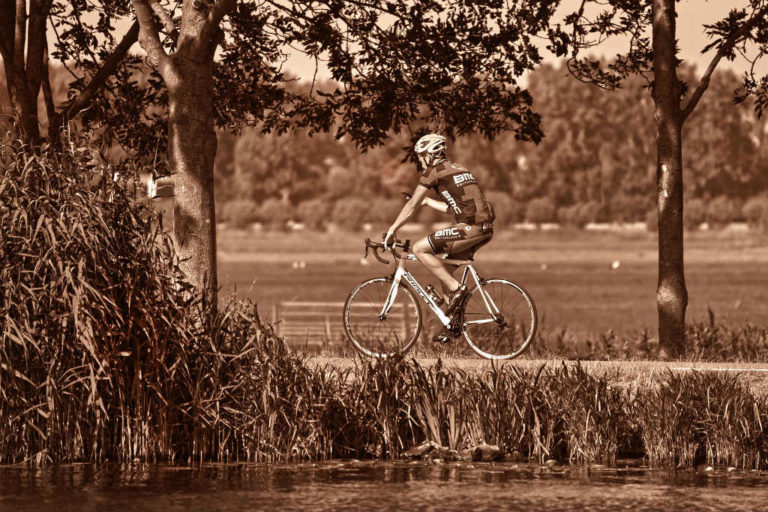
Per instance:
{"type": "Point", "coordinates": [21, 96]}
{"type": "Point", "coordinates": [671, 294]}
{"type": "Point", "coordinates": [188, 75]}
{"type": "Point", "coordinates": [192, 150]}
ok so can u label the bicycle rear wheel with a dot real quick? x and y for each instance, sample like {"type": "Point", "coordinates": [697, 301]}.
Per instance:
{"type": "Point", "coordinates": [377, 335]}
{"type": "Point", "coordinates": [502, 324]}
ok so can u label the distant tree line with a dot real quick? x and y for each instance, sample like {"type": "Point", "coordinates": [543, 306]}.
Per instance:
{"type": "Point", "coordinates": [595, 164]}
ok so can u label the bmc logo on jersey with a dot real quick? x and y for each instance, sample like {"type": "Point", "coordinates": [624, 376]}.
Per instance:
{"type": "Point", "coordinates": [464, 178]}
{"type": "Point", "coordinates": [451, 202]}
{"type": "Point", "coordinates": [447, 232]}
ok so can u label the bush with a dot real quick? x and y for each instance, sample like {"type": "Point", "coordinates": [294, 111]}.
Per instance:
{"type": "Point", "coordinates": [723, 210]}
{"type": "Point", "coordinates": [240, 212]}
{"type": "Point", "coordinates": [625, 208]}
{"type": "Point", "coordinates": [578, 215]}
{"type": "Point", "coordinates": [351, 213]}
{"type": "Point", "coordinates": [275, 212]}
{"type": "Point", "coordinates": [313, 213]}
{"type": "Point", "coordinates": [755, 211]}
{"type": "Point", "coordinates": [694, 213]}
{"type": "Point", "coordinates": [541, 209]}
{"type": "Point", "coordinates": [507, 210]}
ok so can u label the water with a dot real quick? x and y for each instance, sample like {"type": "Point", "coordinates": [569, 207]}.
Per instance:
{"type": "Point", "coordinates": [337, 486]}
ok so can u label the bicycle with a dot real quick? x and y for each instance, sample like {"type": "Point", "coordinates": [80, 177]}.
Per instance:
{"type": "Point", "coordinates": [382, 317]}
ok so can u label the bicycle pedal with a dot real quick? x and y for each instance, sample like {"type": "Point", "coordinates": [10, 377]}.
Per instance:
{"type": "Point", "coordinates": [443, 339]}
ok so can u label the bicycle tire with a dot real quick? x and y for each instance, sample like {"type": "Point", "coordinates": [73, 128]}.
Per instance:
{"type": "Point", "coordinates": [492, 339]}
{"type": "Point", "coordinates": [373, 339]}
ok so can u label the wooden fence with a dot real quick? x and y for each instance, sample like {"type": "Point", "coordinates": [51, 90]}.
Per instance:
{"type": "Point", "coordinates": [314, 325]}
{"type": "Point", "coordinates": [309, 323]}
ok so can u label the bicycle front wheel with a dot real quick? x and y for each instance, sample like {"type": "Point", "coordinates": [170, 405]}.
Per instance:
{"type": "Point", "coordinates": [500, 320]}
{"type": "Point", "coordinates": [374, 331]}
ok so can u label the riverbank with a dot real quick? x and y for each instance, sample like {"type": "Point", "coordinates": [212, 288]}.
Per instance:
{"type": "Point", "coordinates": [237, 394]}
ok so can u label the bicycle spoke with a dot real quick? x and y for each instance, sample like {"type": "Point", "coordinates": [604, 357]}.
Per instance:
{"type": "Point", "coordinates": [364, 325]}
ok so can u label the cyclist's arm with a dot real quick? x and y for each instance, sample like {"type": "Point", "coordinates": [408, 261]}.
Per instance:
{"type": "Point", "coordinates": [409, 208]}
{"type": "Point", "coordinates": [434, 203]}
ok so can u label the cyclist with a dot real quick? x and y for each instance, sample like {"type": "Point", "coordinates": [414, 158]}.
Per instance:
{"type": "Point", "coordinates": [460, 194]}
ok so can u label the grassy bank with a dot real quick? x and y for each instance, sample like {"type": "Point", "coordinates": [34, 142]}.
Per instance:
{"type": "Point", "coordinates": [107, 354]}
{"type": "Point", "coordinates": [237, 394]}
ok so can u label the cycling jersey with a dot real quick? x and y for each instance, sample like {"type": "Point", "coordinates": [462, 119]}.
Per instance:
{"type": "Point", "coordinates": [458, 188]}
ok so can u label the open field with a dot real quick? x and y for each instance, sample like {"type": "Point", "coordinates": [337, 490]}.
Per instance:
{"type": "Point", "coordinates": [570, 275]}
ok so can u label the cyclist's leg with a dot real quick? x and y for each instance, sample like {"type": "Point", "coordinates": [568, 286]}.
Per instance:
{"type": "Point", "coordinates": [465, 249]}
{"type": "Point", "coordinates": [446, 292]}
{"type": "Point", "coordinates": [425, 250]}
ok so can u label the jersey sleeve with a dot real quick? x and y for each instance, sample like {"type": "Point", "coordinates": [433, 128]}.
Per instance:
{"type": "Point", "coordinates": [429, 180]}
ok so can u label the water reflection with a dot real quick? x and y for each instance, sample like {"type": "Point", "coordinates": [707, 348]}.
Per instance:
{"type": "Point", "coordinates": [360, 485]}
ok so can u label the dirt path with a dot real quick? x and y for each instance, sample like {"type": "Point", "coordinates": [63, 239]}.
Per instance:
{"type": "Point", "coordinates": [755, 375]}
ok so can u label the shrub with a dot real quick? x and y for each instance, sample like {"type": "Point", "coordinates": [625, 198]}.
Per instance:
{"type": "Point", "coordinates": [755, 211]}
{"type": "Point", "coordinates": [540, 210]}
{"type": "Point", "coordinates": [275, 212]}
{"type": "Point", "coordinates": [624, 208]}
{"type": "Point", "coordinates": [240, 212]}
{"type": "Point", "coordinates": [722, 210]}
{"type": "Point", "coordinates": [578, 215]}
{"type": "Point", "coordinates": [694, 213]}
{"type": "Point", "coordinates": [507, 210]}
{"type": "Point", "coordinates": [350, 213]}
{"type": "Point", "coordinates": [313, 212]}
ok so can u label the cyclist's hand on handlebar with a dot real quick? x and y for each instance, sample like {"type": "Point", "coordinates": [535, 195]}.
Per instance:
{"type": "Point", "coordinates": [389, 236]}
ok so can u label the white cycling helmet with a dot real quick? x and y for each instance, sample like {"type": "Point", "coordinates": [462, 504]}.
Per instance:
{"type": "Point", "coordinates": [432, 143]}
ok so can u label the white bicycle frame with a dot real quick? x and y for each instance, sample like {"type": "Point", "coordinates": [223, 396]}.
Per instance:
{"type": "Point", "coordinates": [401, 273]}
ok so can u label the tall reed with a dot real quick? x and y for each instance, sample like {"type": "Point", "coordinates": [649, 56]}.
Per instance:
{"type": "Point", "coordinates": [698, 418]}
{"type": "Point", "coordinates": [95, 324]}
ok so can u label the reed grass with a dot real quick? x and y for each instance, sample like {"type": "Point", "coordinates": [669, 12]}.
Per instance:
{"type": "Point", "coordinates": [106, 354]}
{"type": "Point", "coordinates": [705, 341]}
{"type": "Point", "coordinates": [700, 418]}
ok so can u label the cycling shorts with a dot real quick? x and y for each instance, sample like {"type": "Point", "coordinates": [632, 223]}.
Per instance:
{"type": "Point", "coordinates": [461, 240]}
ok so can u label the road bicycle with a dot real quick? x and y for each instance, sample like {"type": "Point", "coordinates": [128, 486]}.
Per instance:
{"type": "Point", "coordinates": [383, 318]}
